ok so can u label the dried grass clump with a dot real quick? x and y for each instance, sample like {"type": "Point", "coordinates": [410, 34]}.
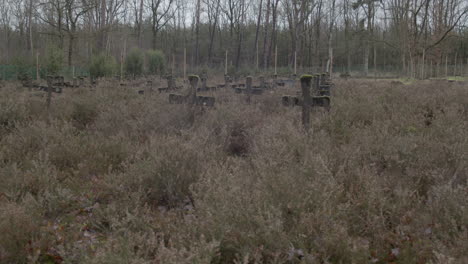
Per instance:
{"type": "Point", "coordinates": [19, 229]}
{"type": "Point", "coordinates": [84, 114]}
{"type": "Point", "coordinates": [165, 173]}
{"type": "Point", "coordinates": [110, 176]}
{"type": "Point", "coordinates": [12, 112]}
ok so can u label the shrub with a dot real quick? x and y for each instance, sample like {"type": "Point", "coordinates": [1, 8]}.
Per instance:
{"type": "Point", "coordinates": [167, 173]}
{"type": "Point", "coordinates": [11, 113]}
{"type": "Point", "coordinates": [20, 182]}
{"type": "Point", "coordinates": [156, 62]}
{"type": "Point", "coordinates": [54, 61]}
{"type": "Point", "coordinates": [83, 155]}
{"type": "Point", "coordinates": [22, 65]}
{"type": "Point", "coordinates": [102, 65]}
{"type": "Point", "coordinates": [18, 226]}
{"type": "Point", "coordinates": [84, 114]}
{"type": "Point", "coordinates": [134, 62]}
{"type": "Point", "coordinates": [370, 182]}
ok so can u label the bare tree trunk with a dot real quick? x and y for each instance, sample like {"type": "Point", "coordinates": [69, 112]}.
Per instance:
{"type": "Point", "coordinates": [411, 66]}
{"type": "Point", "coordinates": [403, 62]}
{"type": "Point", "coordinates": [257, 30]}
{"type": "Point", "coordinates": [366, 56]}
{"type": "Point", "coordinates": [347, 35]}
{"type": "Point", "coordinates": [240, 33]}
{"type": "Point", "coordinates": [122, 60]}
{"type": "Point", "coordinates": [155, 38]}
{"type": "Point", "coordinates": [37, 66]}
{"type": "Point", "coordinates": [265, 36]}
{"type": "Point", "coordinates": [31, 47]}
{"type": "Point", "coordinates": [375, 62]}
{"type": "Point", "coordinates": [140, 26]}
{"type": "Point", "coordinates": [370, 14]}
{"type": "Point", "coordinates": [102, 35]}
{"type": "Point", "coordinates": [317, 34]}
{"type": "Point", "coordinates": [423, 64]}
{"type": "Point", "coordinates": [197, 34]}
{"type": "Point", "coordinates": [70, 48]}
{"type": "Point", "coordinates": [466, 67]}
{"type": "Point", "coordinates": [273, 41]}
{"type": "Point", "coordinates": [213, 32]}
{"type": "Point", "coordinates": [330, 38]}
{"type": "Point", "coordinates": [446, 65]}
{"type": "Point", "coordinates": [431, 72]}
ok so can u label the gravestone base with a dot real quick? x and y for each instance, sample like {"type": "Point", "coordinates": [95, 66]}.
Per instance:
{"type": "Point", "coordinates": [316, 101]}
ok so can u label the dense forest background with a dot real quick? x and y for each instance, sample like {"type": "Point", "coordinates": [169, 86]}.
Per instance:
{"type": "Point", "coordinates": [414, 38]}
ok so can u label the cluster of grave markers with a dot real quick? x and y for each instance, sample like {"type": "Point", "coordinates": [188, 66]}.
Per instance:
{"type": "Point", "coordinates": [315, 92]}
{"type": "Point", "coordinates": [318, 96]}
{"type": "Point", "coordinates": [209, 101]}
{"type": "Point", "coordinates": [55, 83]}
{"type": "Point", "coordinates": [239, 88]}
{"type": "Point", "coordinates": [171, 86]}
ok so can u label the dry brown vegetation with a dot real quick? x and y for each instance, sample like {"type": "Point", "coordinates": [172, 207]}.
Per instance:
{"type": "Point", "coordinates": [110, 176]}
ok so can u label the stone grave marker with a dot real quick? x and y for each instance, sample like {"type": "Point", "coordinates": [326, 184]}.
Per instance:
{"type": "Point", "coordinates": [308, 100]}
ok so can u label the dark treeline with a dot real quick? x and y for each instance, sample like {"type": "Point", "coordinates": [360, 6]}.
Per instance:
{"type": "Point", "coordinates": [418, 38]}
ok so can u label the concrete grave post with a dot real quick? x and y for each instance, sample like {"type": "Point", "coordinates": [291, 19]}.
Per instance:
{"type": "Point", "coordinates": [226, 80]}
{"type": "Point", "coordinates": [149, 85]}
{"type": "Point", "coordinates": [29, 84]}
{"type": "Point", "coordinates": [248, 83]}
{"type": "Point", "coordinates": [170, 82]}
{"type": "Point", "coordinates": [193, 79]}
{"type": "Point", "coordinates": [49, 91]}
{"type": "Point", "coordinates": [203, 80]}
{"type": "Point", "coordinates": [305, 86]}
{"type": "Point", "coordinates": [192, 98]}
{"type": "Point", "coordinates": [262, 82]}
{"type": "Point", "coordinates": [316, 85]}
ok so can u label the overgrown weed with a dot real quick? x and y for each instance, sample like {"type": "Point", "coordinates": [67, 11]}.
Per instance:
{"type": "Point", "coordinates": [108, 176]}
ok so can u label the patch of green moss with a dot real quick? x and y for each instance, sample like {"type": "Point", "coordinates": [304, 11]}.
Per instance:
{"type": "Point", "coordinates": [411, 129]}
{"type": "Point", "coordinates": [457, 78]}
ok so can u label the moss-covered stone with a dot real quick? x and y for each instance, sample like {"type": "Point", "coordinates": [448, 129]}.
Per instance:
{"type": "Point", "coordinates": [306, 77]}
